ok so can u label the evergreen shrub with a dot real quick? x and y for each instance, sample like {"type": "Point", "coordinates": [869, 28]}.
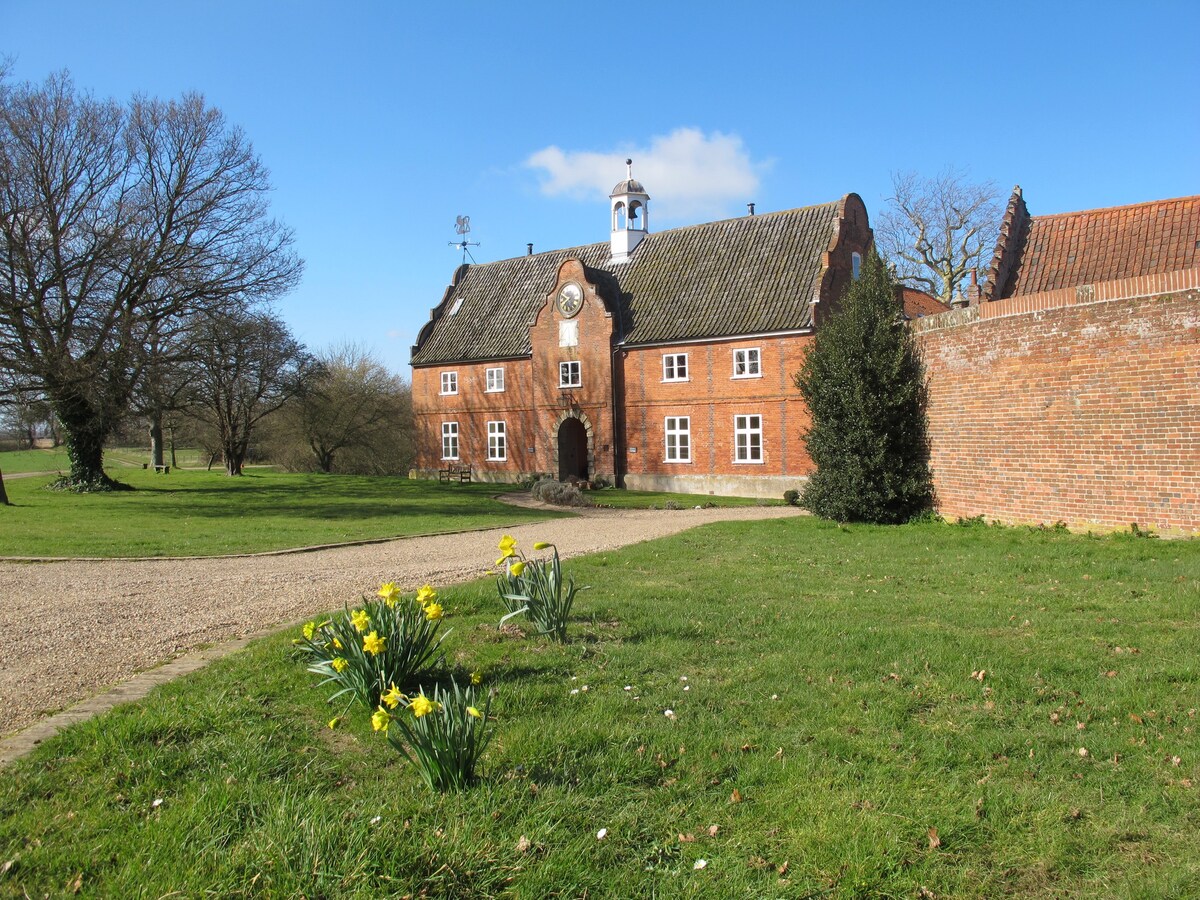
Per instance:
{"type": "Point", "coordinates": [864, 384]}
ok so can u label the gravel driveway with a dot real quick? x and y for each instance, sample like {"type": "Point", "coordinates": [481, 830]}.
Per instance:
{"type": "Point", "coordinates": [73, 628]}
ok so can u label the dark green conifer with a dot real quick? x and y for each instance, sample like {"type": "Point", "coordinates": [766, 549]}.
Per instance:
{"type": "Point", "coordinates": [865, 387]}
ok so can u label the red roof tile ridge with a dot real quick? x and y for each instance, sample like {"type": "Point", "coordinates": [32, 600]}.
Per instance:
{"type": "Point", "coordinates": [1193, 199]}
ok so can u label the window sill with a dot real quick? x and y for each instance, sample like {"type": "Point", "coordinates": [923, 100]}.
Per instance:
{"type": "Point", "coordinates": [744, 377]}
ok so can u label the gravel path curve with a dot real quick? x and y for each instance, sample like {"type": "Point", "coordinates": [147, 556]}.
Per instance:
{"type": "Point", "coordinates": [69, 629]}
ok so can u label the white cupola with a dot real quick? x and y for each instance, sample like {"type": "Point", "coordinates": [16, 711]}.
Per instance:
{"type": "Point", "coordinates": [630, 215]}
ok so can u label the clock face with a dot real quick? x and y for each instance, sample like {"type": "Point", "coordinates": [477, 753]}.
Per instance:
{"type": "Point", "coordinates": [570, 299]}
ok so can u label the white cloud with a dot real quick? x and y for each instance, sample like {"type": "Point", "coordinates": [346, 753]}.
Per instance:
{"type": "Point", "coordinates": [690, 175]}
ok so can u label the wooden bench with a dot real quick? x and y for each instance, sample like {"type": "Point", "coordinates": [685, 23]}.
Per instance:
{"type": "Point", "coordinates": [460, 473]}
{"type": "Point", "coordinates": [161, 470]}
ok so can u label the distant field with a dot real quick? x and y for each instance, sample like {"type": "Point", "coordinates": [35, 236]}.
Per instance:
{"type": "Point", "coordinates": [198, 513]}
{"type": "Point", "coordinates": [16, 462]}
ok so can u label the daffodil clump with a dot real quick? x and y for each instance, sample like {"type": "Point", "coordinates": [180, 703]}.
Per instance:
{"type": "Point", "coordinates": [442, 733]}
{"type": "Point", "coordinates": [535, 588]}
{"type": "Point", "coordinates": [391, 639]}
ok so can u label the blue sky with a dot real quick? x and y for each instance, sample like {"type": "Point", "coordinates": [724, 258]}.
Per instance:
{"type": "Point", "coordinates": [383, 121]}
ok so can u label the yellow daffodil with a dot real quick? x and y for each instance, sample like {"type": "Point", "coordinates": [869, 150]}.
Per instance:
{"type": "Point", "coordinates": [433, 612]}
{"type": "Point", "coordinates": [337, 645]}
{"type": "Point", "coordinates": [542, 545]}
{"type": "Point", "coordinates": [476, 678]}
{"type": "Point", "coordinates": [360, 620]}
{"type": "Point", "coordinates": [380, 719]}
{"type": "Point", "coordinates": [373, 643]}
{"type": "Point", "coordinates": [339, 664]}
{"type": "Point", "coordinates": [392, 697]}
{"type": "Point", "coordinates": [516, 569]}
{"type": "Point", "coordinates": [333, 723]}
{"type": "Point", "coordinates": [426, 594]}
{"type": "Point", "coordinates": [310, 628]}
{"type": "Point", "coordinates": [389, 592]}
{"type": "Point", "coordinates": [508, 548]}
{"type": "Point", "coordinates": [421, 705]}
{"type": "Point", "coordinates": [474, 713]}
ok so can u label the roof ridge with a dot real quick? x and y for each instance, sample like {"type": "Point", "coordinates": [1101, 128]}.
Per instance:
{"type": "Point", "coordinates": [1128, 206]}
{"type": "Point", "coordinates": [767, 215]}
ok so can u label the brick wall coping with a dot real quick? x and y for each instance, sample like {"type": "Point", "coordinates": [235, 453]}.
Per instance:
{"type": "Point", "coordinates": [1120, 289]}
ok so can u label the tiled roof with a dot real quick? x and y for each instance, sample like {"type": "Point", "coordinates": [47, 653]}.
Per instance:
{"type": "Point", "coordinates": [750, 275]}
{"type": "Point", "coordinates": [918, 303]}
{"type": "Point", "coordinates": [1098, 245]}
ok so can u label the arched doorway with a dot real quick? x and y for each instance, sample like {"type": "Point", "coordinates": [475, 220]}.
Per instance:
{"type": "Point", "coordinates": [572, 451]}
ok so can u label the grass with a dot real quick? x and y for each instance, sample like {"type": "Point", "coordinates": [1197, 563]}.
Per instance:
{"type": "Point", "coordinates": [624, 499]}
{"type": "Point", "coordinates": [16, 462]}
{"type": "Point", "coordinates": [829, 728]}
{"type": "Point", "coordinates": [196, 513]}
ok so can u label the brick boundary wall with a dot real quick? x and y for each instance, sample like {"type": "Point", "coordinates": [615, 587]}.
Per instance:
{"type": "Point", "coordinates": [1070, 406]}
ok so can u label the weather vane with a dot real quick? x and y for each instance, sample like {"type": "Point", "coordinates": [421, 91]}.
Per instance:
{"type": "Point", "coordinates": [462, 226]}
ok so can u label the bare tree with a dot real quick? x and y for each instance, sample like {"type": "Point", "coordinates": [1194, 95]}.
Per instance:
{"type": "Point", "coordinates": [935, 230]}
{"type": "Point", "coordinates": [354, 407]}
{"type": "Point", "coordinates": [247, 366]}
{"type": "Point", "coordinates": [117, 221]}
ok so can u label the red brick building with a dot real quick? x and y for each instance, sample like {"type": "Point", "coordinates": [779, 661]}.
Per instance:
{"type": "Point", "coordinates": [659, 361]}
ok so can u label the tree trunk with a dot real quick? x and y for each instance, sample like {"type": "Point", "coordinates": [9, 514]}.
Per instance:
{"type": "Point", "coordinates": [156, 439]}
{"type": "Point", "coordinates": [84, 437]}
{"type": "Point", "coordinates": [235, 456]}
{"type": "Point", "coordinates": [174, 464]}
{"type": "Point", "coordinates": [3, 493]}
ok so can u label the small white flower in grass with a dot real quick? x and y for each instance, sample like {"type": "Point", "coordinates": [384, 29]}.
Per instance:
{"type": "Point", "coordinates": [700, 864]}
{"type": "Point", "coordinates": [683, 678]}
{"type": "Point", "coordinates": [601, 834]}
{"type": "Point", "coordinates": [157, 803]}
{"type": "Point", "coordinates": [584, 688]}
{"type": "Point", "coordinates": [629, 687]}
{"type": "Point", "coordinates": [376, 820]}
{"type": "Point", "coordinates": [774, 696]}
{"type": "Point", "coordinates": [574, 691]}
{"type": "Point", "coordinates": [669, 713]}
{"type": "Point", "coordinates": [574, 677]}
{"type": "Point", "coordinates": [687, 687]}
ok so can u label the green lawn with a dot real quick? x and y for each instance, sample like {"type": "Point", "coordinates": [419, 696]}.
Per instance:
{"type": "Point", "coordinates": [117, 459]}
{"type": "Point", "coordinates": [197, 513]}
{"type": "Point", "coordinates": [829, 740]}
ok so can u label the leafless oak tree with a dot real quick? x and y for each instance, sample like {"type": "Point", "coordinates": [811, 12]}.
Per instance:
{"type": "Point", "coordinates": [354, 410]}
{"type": "Point", "coordinates": [935, 230]}
{"type": "Point", "coordinates": [117, 221]}
{"type": "Point", "coordinates": [247, 366]}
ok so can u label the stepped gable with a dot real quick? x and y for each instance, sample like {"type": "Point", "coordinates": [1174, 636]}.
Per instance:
{"type": "Point", "coordinates": [1094, 246]}
{"type": "Point", "coordinates": [750, 275]}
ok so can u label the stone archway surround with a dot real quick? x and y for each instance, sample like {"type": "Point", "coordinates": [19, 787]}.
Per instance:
{"type": "Point", "coordinates": [588, 430]}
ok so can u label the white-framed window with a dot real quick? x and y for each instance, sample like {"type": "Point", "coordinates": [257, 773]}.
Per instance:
{"type": "Point", "coordinates": [747, 439]}
{"type": "Point", "coordinates": [675, 367]}
{"type": "Point", "coordinates": [497, 441]}
{"type": "Point", "coordinates": [747, 363]}
{"type": "Point", "coordinates": [495, 380]}
{"type": "Point", "coordinates": [678, 431]}
{"type": "Point", "coordinates": [855, 265]}
{"type": "Point", "coordinates": [449, 382]}
{"type": "Point", "coordinates": [569, 374]}
{"type": "Point", "coordinates": [449, 440]}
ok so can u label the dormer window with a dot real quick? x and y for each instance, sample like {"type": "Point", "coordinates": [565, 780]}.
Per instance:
{"type": "Point", "coordinates": [457, 305]}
